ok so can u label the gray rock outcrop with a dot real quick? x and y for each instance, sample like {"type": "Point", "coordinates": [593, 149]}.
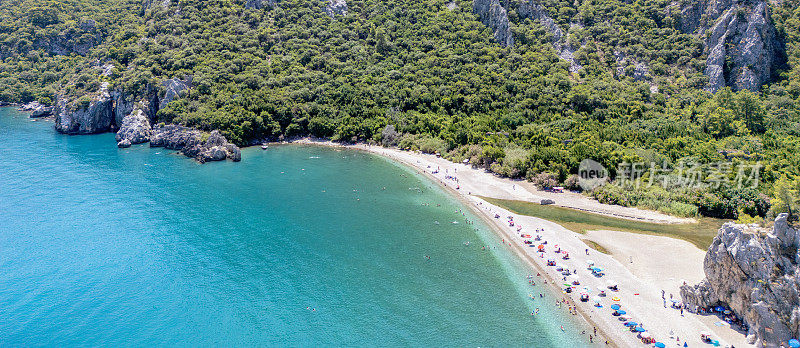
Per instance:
{"type": "Point", "coordinates": [494, 15]}
{"type": "Point", "coordinates": [76, 117]}
{"type": "Point", "coordinates": [192, 143]}
{"type": "Point", "coordinates": [258, 4]}
{"type": "Point", "coordinates": [740, 41]}
{"type": "Point", "coordinates": [756, 272]}
{"type": "Point", "coordinates": [336, 8]}
{"type": "Point", "coordinates": [174, 88]}
{"type": "Point", "coordinates": [135, 128]}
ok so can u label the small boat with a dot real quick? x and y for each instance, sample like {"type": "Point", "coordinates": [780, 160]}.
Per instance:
{"type": "Point", "coordinates": [264, 146]}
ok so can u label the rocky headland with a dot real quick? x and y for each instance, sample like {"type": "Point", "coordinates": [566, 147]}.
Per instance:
{"type": "Point", "coordinates": [133, 116]}
{"type": "Point", "coordinates": [756, 273]}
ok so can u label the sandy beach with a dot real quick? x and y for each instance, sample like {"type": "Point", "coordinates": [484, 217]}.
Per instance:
{"type": "Point", "coordinates": [642, 265]}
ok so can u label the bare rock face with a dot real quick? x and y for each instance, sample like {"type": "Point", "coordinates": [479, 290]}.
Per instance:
{"type": "Point", "coordinates": [192, 144]}
{"type": "Point", "coordinates": [757, 273]}
{"type": "Point", "coordinates": [75, 117]}
{"type": "Point", "coordinates": [493, 15]}
{"type": "Point", "coordinates": [739, 38]}
{"type": "Point", "coordinates": [135, 128]}
{"type": "Point", "coordinates": [336, 7]}
{"type": "Point", "coordinates": [258, 4]}
{"type": "Point", "coordinates": [174, 88]}
{"type": "Point", "coordinates": [533, 10]}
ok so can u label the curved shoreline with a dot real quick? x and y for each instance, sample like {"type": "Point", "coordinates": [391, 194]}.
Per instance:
{"type": "Point", "coordinates": [498, 231]}
{"type": "Point", "coordinates": [642, 283]}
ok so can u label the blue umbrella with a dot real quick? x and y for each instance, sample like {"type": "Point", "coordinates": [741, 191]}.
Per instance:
{"type": "Point", "coordinates": [631, 323]}
{"type": "Point", "coordinates": [719, 309]}
{"type": "Point", "coordinates": [794, 343]}
{"type": "Point", "coordinates": [621, 312]}
{"type": "Point", "coordinates": [615, 306]}
{"type": "Point", "coordinates": [640, 329]}
{"type": "Point", "coordinates": [660, 345]}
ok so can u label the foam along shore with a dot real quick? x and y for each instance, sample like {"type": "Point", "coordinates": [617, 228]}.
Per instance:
{"type": "Point", "coordinates": [641, 265]}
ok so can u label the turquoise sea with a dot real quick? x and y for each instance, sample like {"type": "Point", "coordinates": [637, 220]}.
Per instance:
{"type": "Point", "coordinates": [293, 246]}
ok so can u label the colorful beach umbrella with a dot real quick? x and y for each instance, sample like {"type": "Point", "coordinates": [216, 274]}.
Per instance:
{"type": "Point", "coordinates": [644, 335]}
{"type": "Point", "coordinates": [621, 312]}
{"type": "Point", "coordinates": [660, 345]}
{"type": "Point", "coordinates": [615, 307]}
{"type": "Point", "coordinates": [615, 299]}
{"type": "Point", "coordinates": [794, 343]}
{"type": "Point", "coordinates": [639, 329]}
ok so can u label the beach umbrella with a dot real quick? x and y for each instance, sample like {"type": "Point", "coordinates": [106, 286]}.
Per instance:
{"type": "Point", "coordinates": [644, 335]}
{"type": "Point", "coordinates": [639, 329]}
{"type": "Point", "coordinates": [719, 309]}
{"type": "Point", "coordinates": [615, 299]}
{"type": "Point", "coordinates": [621, 312]}
{"type": "Point", "coordinates": [660, 345]}
{"type": "Point", "coordinates": [596, 299]}
{"type": "Point", "coordinates": [631, 323]}
{"type": "Point", "coordinates": [590, 262]}
{"type": "Point", "coordinates": [727, 311]}
{"type": "Point", "coordinates": [794, 343]}
{"type": "Point", "coordinates": [615, 307]}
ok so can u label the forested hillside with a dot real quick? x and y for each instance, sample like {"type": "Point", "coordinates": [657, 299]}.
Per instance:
{"type": "Point", "coordinates": [527, 95]}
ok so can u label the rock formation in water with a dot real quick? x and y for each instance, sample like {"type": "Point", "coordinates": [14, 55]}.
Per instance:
{"type": "Point", "coordinates": [87, 115]}
{"type": "Point", "coordinates": [739, 38]}
{"type": "Point", "coordinates": [135, 129]}
{"type": "Point", "coordinates": [134, 114]}
{"type": "Point", "coordinates": [756, 272]}
{"type": "Point", "coordinates": [493, 15]}
{"type": "Point", "coordinates": [193, 143]}
{"type": "Point", "coordinates": [336, 8]}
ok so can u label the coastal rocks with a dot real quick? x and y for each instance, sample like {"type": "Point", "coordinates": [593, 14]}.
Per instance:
{"type": "Point", "coordinates": [135, 129]}
{"type": "Point", "coordinates": [42, 111]}
{"type": "Point", "coordinates": [336, 7]}
{"type": "Point", "coordinates": [192, 143]}
{"type": "Point", "coordinates": [740, 41]}
{"type": "Point", "coordinates": [124, 143]}
{"type": "Point", "coordinates": [87, 115]}
{"type": "Point", "coordinates": [547, 201]}
{"type": "Point", "coordinates": [37, 110]}
{"type": "Point", "coordinates": [757, 273]}
{"type": "Point", "coordinates": [493, 15]}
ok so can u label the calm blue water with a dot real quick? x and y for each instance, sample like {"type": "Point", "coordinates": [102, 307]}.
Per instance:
{"type": "Point", "coordinates": [294, 246]}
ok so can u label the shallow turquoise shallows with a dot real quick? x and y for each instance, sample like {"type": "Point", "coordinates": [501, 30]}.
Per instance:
{"type": "Point", "coordinates": [293, 246]}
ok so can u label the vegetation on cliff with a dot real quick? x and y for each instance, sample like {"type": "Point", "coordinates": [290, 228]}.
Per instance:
{"type": "Point", "coordinates": [429, 75]}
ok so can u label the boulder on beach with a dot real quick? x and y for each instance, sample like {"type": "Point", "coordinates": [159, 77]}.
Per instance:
{"type": "Point", "coordinates": [756, 273]}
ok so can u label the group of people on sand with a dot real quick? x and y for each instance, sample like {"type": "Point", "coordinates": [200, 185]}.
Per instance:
{"type": "Point", "coordinates": [563, 302]}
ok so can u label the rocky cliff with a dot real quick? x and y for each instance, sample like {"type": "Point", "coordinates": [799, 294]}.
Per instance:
{"type": "Point", "coordinates": [756, 272]}
{"type": "Point", "coordinates": [132, 116]}
{"type": "Point", "coordinates": [740, 41]}
{"type": "Point", "coordinates": [87, 115]}
{"type": "Point", "coordinates": [494, 15]}
{"type": "Point", "coordinates": [336, 8]}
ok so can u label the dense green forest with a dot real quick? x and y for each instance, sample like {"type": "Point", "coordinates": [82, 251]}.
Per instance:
{"type": "Point", "coordinates": [426, 75]}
